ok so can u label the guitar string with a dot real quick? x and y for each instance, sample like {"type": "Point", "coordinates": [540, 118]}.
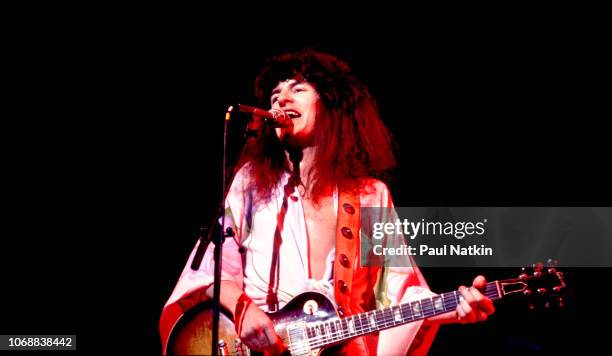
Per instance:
{"type": "Point", "coordinates": [386, 322]}
{"type": "Point", "coordinates": [388, 319]}
{"type": "Point", "coordinates": [343, 332]}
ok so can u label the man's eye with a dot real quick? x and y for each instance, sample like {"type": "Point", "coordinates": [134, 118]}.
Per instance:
{"type": "Point", "coordinates": [273, 99]}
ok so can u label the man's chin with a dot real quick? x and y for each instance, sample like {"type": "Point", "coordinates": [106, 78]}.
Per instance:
{"type": "Point", "coordinates": [297, 140]}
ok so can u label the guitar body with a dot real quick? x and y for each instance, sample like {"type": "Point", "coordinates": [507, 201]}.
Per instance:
{"type": "Point", "coordinates": [309, 323]}
{"type": "Point", "coordinates": [193, 333]}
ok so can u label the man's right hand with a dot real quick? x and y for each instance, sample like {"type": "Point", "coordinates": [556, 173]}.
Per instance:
{"type": "Point", "coordinates": [257, 329]}
{"type": "Point", "coordinates": [258, 332]}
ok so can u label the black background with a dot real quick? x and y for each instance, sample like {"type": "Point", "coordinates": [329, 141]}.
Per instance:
{"type": "Point", "coordinates": [111, 145]}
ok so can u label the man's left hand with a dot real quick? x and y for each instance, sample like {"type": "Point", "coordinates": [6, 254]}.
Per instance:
{"type": "Point", "coordinates": [475, 306]}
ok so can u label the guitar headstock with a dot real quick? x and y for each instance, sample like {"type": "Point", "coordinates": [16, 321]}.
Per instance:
{"type": "Point", "coordinates": [542, 282]}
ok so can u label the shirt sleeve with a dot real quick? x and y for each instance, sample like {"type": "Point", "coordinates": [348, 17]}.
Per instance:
{"type": "Point", "coordinates": [192, 284]}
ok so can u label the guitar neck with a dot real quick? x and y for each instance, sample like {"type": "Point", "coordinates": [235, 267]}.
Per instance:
{"type": "Point", "coordinates": [338, 330]}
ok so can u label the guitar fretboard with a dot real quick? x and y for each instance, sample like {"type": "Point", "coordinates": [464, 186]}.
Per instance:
{"type": "Point", "coordinates": [338, 330]}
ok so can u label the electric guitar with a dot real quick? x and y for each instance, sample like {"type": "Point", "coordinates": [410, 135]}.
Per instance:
{"type": "Point", "coordinates": [309, 323]}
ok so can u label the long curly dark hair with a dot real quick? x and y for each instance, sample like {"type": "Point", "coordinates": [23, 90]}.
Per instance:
{"type": "Point", "coordinates": [351, 140]}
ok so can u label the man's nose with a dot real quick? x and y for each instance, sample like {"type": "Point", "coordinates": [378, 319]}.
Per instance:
{"type": "Point", "coordinates": [284, 98]}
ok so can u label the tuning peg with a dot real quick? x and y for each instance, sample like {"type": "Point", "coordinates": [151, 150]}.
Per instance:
{"type": "Point", "coordinates": [561, 302]}
{"type": "Point", "coordinates": [541, 291]}
{"type": "Point", "coordinates": [527, 292]}
{"type": "Point", "coordinates": [523, 273]}
{"type": "Point", "coordinates": [557, 289]}
{"type": "Point", "coordinates": [552, 262]}
{"type": "Point", "coordinates": [537, 273]}
{"type": "Point", "coordinates": [538, 266]}
{"type": "Point", "coordinates": [552, 270]}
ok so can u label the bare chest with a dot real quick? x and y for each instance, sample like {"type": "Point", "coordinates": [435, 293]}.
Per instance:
{"type": "Point", "coordinates": [321, 226]}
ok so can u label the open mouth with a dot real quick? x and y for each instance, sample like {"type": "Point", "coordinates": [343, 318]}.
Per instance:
{"type": "Point", "coordinates": [292, 114]}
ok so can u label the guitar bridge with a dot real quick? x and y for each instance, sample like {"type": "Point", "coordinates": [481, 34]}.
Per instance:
{"type": "Point", "coordinates": [298, 342]}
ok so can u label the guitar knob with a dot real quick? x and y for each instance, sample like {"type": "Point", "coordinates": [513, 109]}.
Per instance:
{"type": "Point", "coordinates": [537, 274]}
{"type": "Point", "coordinates": [541, 291]}
{"type": "Point", "coordinates": [538, 266]}
{"type": "Point", "coordinates": [223, 348]}
{"type": "Point", "coordinates": [527, 292]}
{"type": "Point", "coordinates": [552, 270]}
{"type": "Point", "coordinates": [561, 303]}
{"type": "Point", "coordinates": [531, 307]}
{"type": "Point", "coordinates": [557, 289]}
{"type": "Point", "coordinates": [523, 276]}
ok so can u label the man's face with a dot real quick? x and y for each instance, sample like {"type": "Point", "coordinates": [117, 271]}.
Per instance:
{"type": "Point", "coordinates": [300, 101]}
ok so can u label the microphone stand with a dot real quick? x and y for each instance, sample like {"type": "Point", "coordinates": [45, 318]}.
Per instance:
{"type": "Point", "coordinates": [217, 236]}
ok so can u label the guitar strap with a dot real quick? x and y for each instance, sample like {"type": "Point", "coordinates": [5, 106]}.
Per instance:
{"type": "Point", "coordinates": [272, 297]}
{"type": "Point", "coordinates": [347, 242]}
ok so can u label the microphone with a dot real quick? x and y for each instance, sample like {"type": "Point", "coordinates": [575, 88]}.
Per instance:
{"type": "Point", "coordinates": [274, 118]}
